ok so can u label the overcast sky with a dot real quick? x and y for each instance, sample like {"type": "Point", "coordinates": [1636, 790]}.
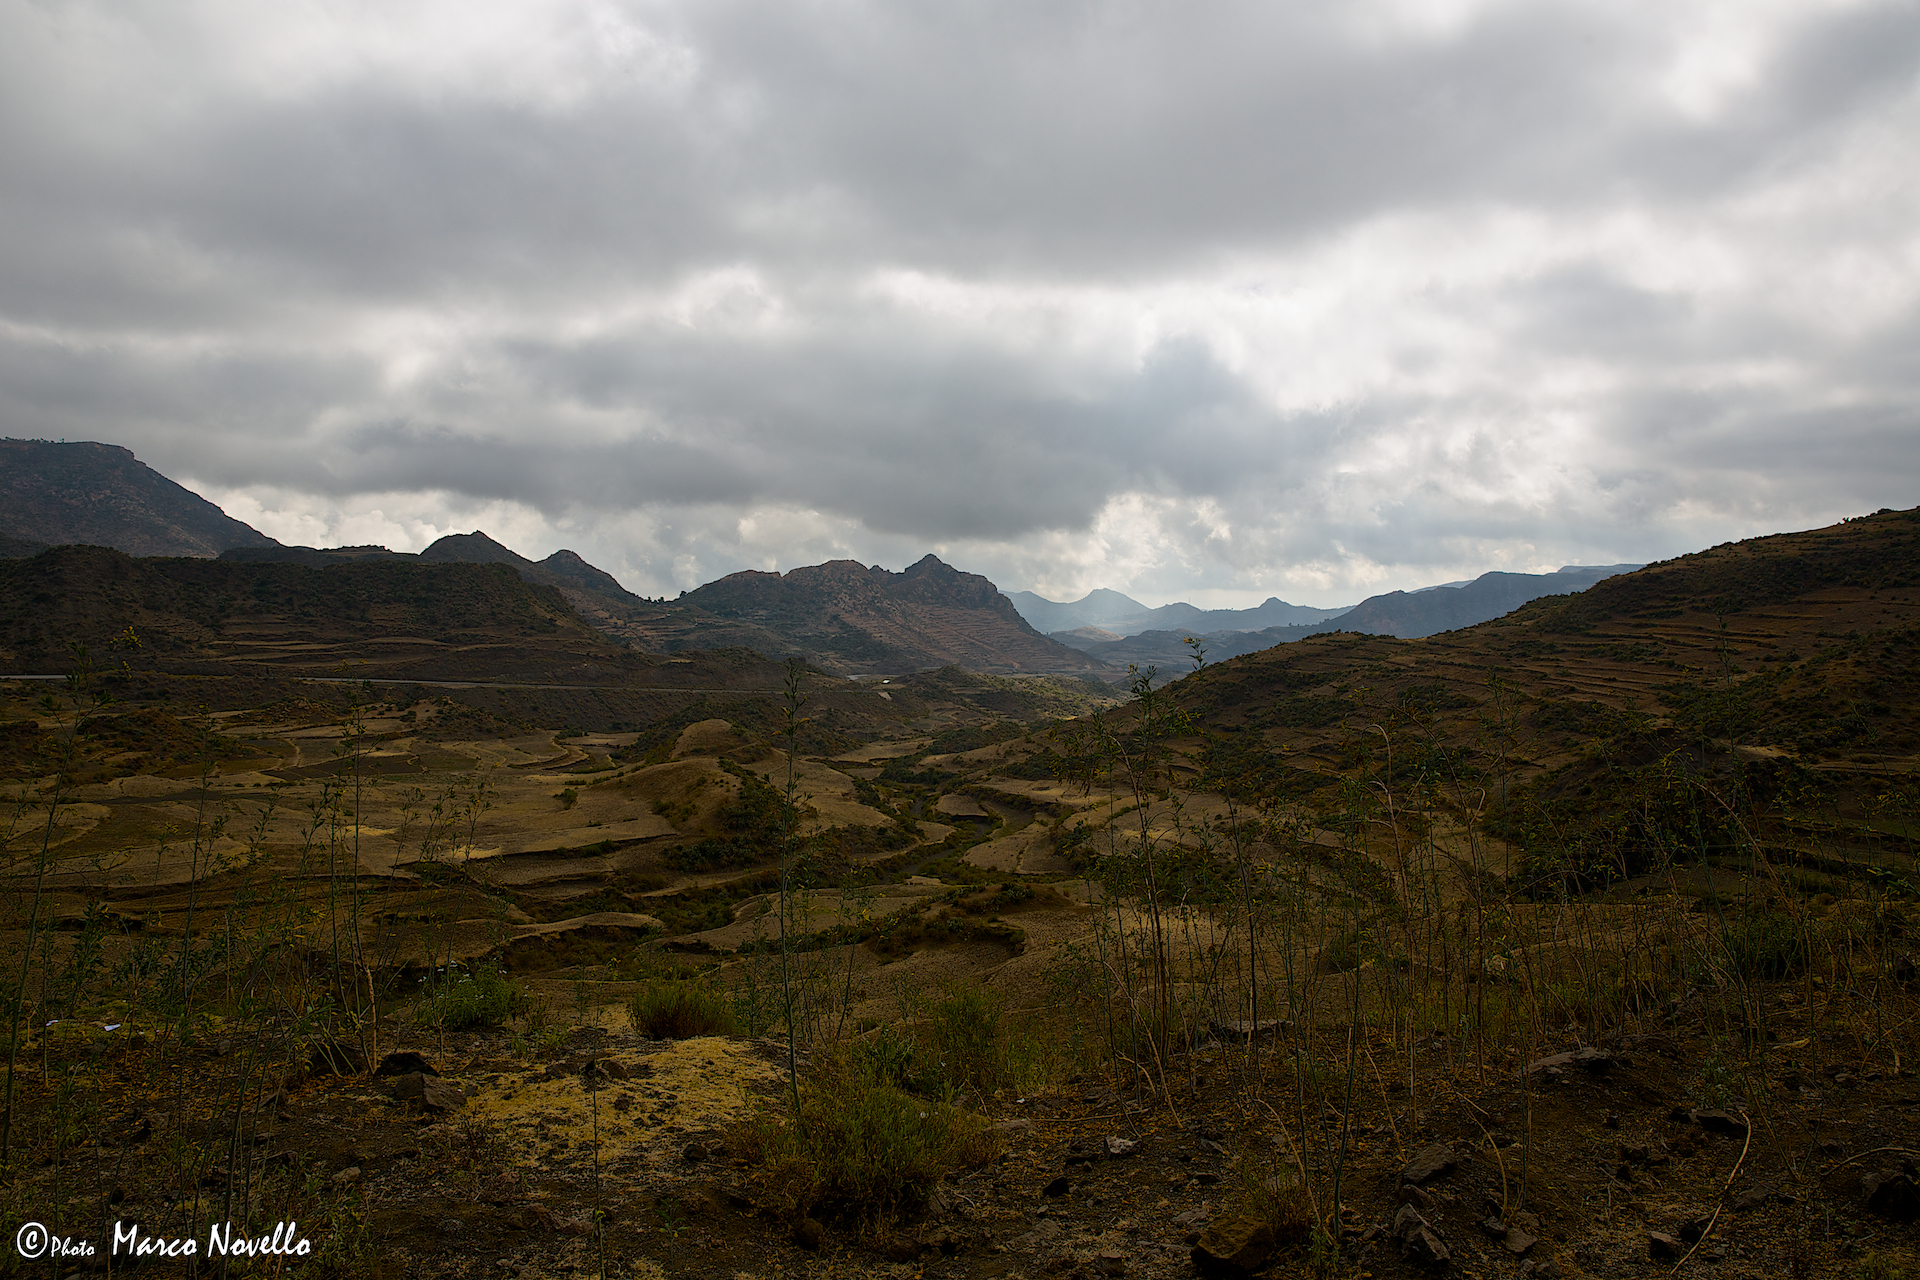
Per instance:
{"type": "Point", "coordinates": [1207, 301]}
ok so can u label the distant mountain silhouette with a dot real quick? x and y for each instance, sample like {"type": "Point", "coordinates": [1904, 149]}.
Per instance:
{"type": "Point", "coordinates": [855, 619]}
{"type": "Point", "coordinates": [1095, 609]}
{"type": "Point", "coordinates": [1411, 614]}
{"type": "Point", "coordinates": [101, 495]}
{"type": "Point", "coordinates": [1123, 615]}
{"type": "Point", "coordinates": [1407, 614]}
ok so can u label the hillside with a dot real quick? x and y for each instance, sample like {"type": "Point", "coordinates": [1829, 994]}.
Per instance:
{"type": "Point", "coordinates": [595, 593]}
{"type": "Point", "coordinates": [856, 619]}
{"type": "Point", "coordinates": [390, 618]}
{"type": "Point", "coordinates": [101, 495]}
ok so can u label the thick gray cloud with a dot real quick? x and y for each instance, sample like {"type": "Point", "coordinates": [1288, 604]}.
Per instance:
{"type": "Point", "coordinates": [1213, 301]}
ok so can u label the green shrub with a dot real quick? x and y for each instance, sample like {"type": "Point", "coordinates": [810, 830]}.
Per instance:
{"type": "Point", "coordinates": [964, 1026]}
{"type": "Point", "coordinates": [1769, 945]}
{"type": "Point", "coordinates": [680, 1011]}
{"type": "Point", "coordinates": [860, 1150]}
{"type": "Point", "coordinates": [461, 1000]}
{"type": "Point", "coordinates": [888, 1058]}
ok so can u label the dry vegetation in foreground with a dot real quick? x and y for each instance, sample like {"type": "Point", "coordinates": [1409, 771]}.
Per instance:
{"type": "Point", "coordinates": [1579, 943]}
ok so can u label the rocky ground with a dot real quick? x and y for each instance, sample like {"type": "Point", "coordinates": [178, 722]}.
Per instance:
{"type": "Point", "coordinates": [482, 1155]}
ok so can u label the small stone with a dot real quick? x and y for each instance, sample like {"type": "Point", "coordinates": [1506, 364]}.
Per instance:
{"type": "Point", "coordinates": [1110, 1262]}
{"type": "Point", "coordinates": [1237, 1246]}
{"type": "Point", "coordinates": [1418, 1241]}
{"type": "Point", "coordinates": [1752, 1198]}
{"type": "Point", "coordinates": [1518, 1241]}
{"type": "Point", "coordinates": [1586, 1057]}
{"type": "Point", "coordinates": [1014, 1126]}
{"type": "Point", "coordinates": [347, 1176]}
{"type": "Point", "coordinates": [1119, 1147]}
{"type": "Point", "coordinates": [404, 1063]}
{"type": "Point", "coordinates": [1662, 1247]}
{"type": "Point", "coordinates": [1549, 1270]}
{"type": "Point", "coordinates": [428, 1093]}
{"type": "Point", "coordinates": [1420, 1200]}
{"type": "Point", "coordinates": [1428, 1163]}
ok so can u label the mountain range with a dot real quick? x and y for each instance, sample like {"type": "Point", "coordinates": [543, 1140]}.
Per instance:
{"type": "Point", "coordinates": [845, 617]}
{"type": "Point", "coordinates": [1409, 615]}
{"type": "Point", "coordinates": [1122, 615]}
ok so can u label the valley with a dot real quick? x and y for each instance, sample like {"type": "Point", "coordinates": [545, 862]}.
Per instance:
{"type": "Point", "coordinates": [398, 896]}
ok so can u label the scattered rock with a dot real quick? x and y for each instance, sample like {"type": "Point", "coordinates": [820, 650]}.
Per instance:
{"type": "Point", "coordinates": [404, 1063]}
{"type": "Point", "coordinates": [1014, 1126]}
{"type": "Point", "coordinates": [1421, 1200]}
{"type": "Point", "coordinates": [1119, 1147]}
{"type": "Point", "coordinates": [1518, 1241]}
{"type": "Point", "coordinates": [1429, 1163]}
{"type": "Point", "coordinates": [1586, 1057]}
{"type": "Point", "coordinates": [1891, 1194]}
{"type": "Point", "coordinates": [1236, 1246]}
{"type": "Point", "coordinates": [1110, 1262]}
{"type": "Point", "coordinates": [1662, 1247]}
{"type": "Point", "coordinates": [347, 1176]}
{"type": "Point", "coordinates": [1418, 1240]}
{"type": "Point", "coordinates": [428, 1093]}
{"type": "Point", "coordinates": [1752, 1198]}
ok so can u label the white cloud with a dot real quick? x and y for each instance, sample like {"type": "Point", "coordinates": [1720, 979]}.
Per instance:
{"type": "Point", "coordinates": [1212, 303]}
